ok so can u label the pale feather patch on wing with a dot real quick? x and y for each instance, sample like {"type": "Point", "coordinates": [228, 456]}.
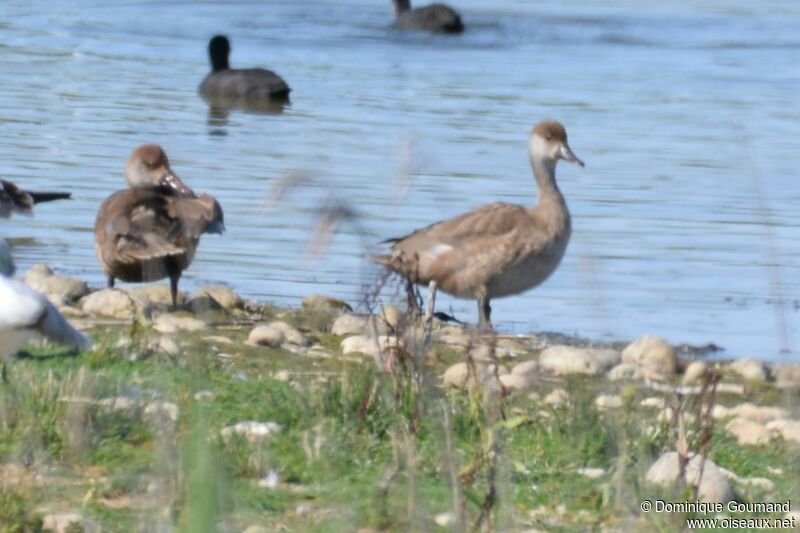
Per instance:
{"type": "Point", "coordinates": [436, 251]}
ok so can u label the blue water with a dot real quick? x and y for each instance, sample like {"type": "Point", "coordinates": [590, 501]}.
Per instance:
{"type": "Point", "coordinates": [685, 217]}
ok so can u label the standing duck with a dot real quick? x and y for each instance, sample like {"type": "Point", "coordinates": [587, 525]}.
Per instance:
{"type": "Point", "coordinates": [437, 18]}
{"type": "Point", "coordinates": [232, 84]}
{"type": "Point", "coordinates": [27, 315]}
{"type": "Point", "coordinates": [499, 249]}
{"type": "Point", "coordinates": [151, 230]}
{"type": "Point", "coordinates": [15, 200]}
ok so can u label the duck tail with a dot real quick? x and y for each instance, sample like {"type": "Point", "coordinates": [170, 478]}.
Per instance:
{"type": "Point", "coordinates": [39, 197]}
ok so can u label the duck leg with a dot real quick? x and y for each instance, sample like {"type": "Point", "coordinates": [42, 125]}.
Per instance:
{"type": "Point", "coordinates": [173, 290]}
{"type": "Point", "coordinates": [484, 313]}
{"type": "Point", "coordinates": [110, 282]}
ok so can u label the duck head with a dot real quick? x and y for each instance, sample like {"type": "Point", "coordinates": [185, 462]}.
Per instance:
{"type": "Point", "coordinates": [148, 167]}
{"type": "Point", "coordinates": [548, 142]}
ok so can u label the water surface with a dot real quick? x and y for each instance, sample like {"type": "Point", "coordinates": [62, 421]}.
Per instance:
{"type": "Point", "coordinates": [685, 217]}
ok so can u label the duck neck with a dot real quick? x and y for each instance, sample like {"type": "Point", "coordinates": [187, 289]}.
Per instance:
{"type": "Point", "coordinates": [545, 173]}
{"type": "Point", "coordinates": [401, 6]}
{"type": "Point", "coordinates": [219, 62]}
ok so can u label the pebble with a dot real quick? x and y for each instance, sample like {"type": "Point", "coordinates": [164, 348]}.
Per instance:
{"type": "Point", "coordinates": [454, 336]}
{"type": "Point", "coordinates": [748, 432]}
{"type": "Point", "coordinates": [276, 334]}
{"type": "Point", "coordinates": [251, 430]}
{"type": "Point", "coordinates": [652, 353]}
{"type": "Point", "coordinates": [713, 487]}
{"type": "Point", "coordinates": [169, 323]}
{"type": "Point", "coordinates": [565, 360]}
{"type": "Point", "coordinates": [749, 369]}
{"type": "Point", "coordinates": [61, 290]}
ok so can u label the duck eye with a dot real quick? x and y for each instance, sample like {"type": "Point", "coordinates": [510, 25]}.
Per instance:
{"type": "Point", "coordinates": [549, 137]}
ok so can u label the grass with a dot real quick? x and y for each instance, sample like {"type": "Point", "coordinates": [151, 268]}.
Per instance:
{"type": "Point", "coordinates": [356, 449]}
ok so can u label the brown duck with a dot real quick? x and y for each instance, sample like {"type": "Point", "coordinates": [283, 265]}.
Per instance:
{"type": "Point", "coordinates": [151, 230]}
{"type": "Point", "coordinates": [499, 249]}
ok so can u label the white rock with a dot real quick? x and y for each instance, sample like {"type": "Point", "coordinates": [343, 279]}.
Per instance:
{"type": "Point", "coordinates": [694, 372]}
{"type": "Point", "coordinates": [361, 344]}
{"type": "Point", "coordinates": [218, 339]}
{"type": "Point", "coordinates": [626, 372]}
{"type": "Point", "coordinates": [445, 519]}
{"type": "Point", "coordinates": [162, 409]}
{"type": "Point", "coordinates": [592, 473]}
{"type": "Point", "coordinates": [720, 411]}
{"type": "Point", "coordinates": [276, 334]}
{"type": "Point", "coordinates": [454, 336]}
{"type": "Point", "coordinates": [516, 382]}
{"type": "Point", "coordinates": [255, 529]}
{"type": "Point", "coordinates": [456, 375]}
{"type": "Point", "coordinates": [392, 316]}
{"type": "Point", "coordinates": [157, 294]}
{"type": "Point", "coordinates": [760, 413]}
{"type": "Point", "coordinates": [114, 303]}
{"type": "Point", "coordinates": [749, 369]}
{"type": "Point", "coordinates": [68, 522]}
{"type": "Point", "coordinates": [788, 429]}
{"type": "Point", "coordinates": [203, 395]}
{"type": "Point", "coordinates": [59, 289]}
{"type": "Point", "coordinates": [652, 353]}
{"type": "Point", "coordinates": [787, 377]}
{"type": "Point", "coordinates": [564, 360]}
{"type": "Point", "coordinates": [654, 401]}
{"type": "Point", "coordinates": [169, 323]}
{"type": "Point", "coordinates": [608, 401]}
{"type": "Point", "coordinates": [251, 430]}
{"type": "Point", "coordinates": [224, 296]}
{"type": "Point", "coordinates": [556, 398]}
{"type": "Point", "coordinates": [730, 388]}
{"type": "Point", "coordinates": [118, 404]}
{"type": "Point", "coordinates": [526, 368]}
{"type": "Point", "coordinates": [350, 325]}
{"type": "Point", "coordinates": [748, 432]}
{"type": "Point", "coordinates": [329, 302]}
{"type": "Point", "coordinates": [762, 483]}
{"type": "Point", "coordinates": [166, 345]}
{"type": "Point", "coordinates": [712, 487]}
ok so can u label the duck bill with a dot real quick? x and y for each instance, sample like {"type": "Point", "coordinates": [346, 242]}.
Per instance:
{"type": "Point", "coordinates": [567, 154]}
{"type": "Point", "coordinates": [171, 181]}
